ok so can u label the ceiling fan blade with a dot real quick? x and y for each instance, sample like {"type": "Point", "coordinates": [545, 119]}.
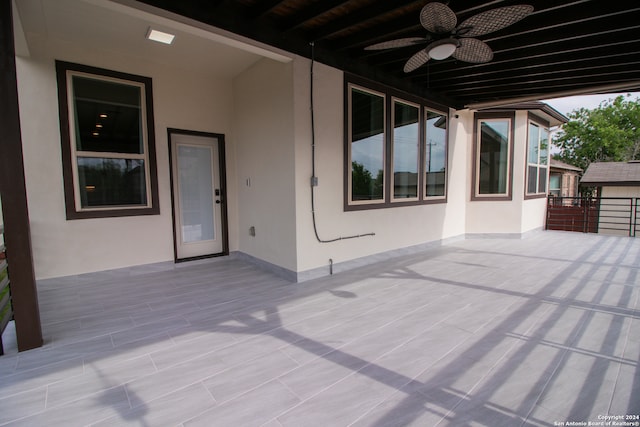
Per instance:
{"type": "Point", "coordinates": [391, 44]}
{"type": "Point", "coordinates": [493, 20]}
{"type": "Point", "coordinates": [474, 51]}
{"type": "Point", "coordinates": [416, 61]}
{"type": "Point", "coordinates": [438, 18]}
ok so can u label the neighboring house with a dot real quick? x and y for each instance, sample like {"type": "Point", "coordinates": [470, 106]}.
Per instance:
{"type": "Point", "coordinates": [142, 154]}
{"type": "Point", "coordinates": [563, 179]}
{"type": "Point", "coordinates": [618, 186]}
{"type": "Point", "coordinates": [613, 179]}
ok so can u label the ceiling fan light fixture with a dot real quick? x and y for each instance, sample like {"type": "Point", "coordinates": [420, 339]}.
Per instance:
{"type": "Point", "coordinates": [442, 49]}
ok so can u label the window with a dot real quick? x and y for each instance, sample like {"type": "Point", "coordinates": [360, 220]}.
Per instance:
{"type": "Point", "coordinates": [388, 159]}
{"type": "Point", "coordinates": [106, 122]}
{"type": "Point", "coordinates": [554, 185]}
{"type": "Point", "coordinates": [493, 147]}
{"type": "Point", "coordinates": [406, 150]}
{"type": "Point", "coordinates": [537, 160]}
{"type": "Point", "coordinates": [367, 145]}
{"type": "Point", "coordinates": [435, 164]}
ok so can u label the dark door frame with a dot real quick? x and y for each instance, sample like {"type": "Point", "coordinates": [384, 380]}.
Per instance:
{"type": "Point", "coordinates": [223, 192]}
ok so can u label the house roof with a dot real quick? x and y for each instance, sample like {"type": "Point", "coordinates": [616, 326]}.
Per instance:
{"type": "Point", "coordinates": [564, 47]}
{"type": "Point", "coordinates": [557, 164]}
{"type": "Point", "coordinates": [547, 112]}
{"type": "Point", "coordinates": [612, 173]}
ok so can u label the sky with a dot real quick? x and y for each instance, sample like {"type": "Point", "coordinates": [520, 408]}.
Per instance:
{"type": "Point", "coordinates": [567, 104]}
{"type": "Point", "coordinates": [570, 103]}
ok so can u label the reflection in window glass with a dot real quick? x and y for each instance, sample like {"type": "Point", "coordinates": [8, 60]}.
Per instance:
{"type": "Point", "coordinates": [108, 116]}
{"type": "Point", "coordinates": [537, 159]}
{"type": "Point", "coordinates": [107, 141]}
{"type": "Point", "coordinates": [111, 182]}
{"type": "Point", "coordinates": [435, 154]}
{"type": "Point", "coordinates": [534, 135]}
{"type": "Point", "coordinates": [367, 146]}
{"type": "Point", "coordinates": [493, 159]}
{"type": "Point", "coordinates": [554, 184]}
{"type": "Point", "coordinates": [108, 119]}
{"type": "Point", "coordinates": [544, 146]}
{"type": "Point", "coordinates": [406, 150]}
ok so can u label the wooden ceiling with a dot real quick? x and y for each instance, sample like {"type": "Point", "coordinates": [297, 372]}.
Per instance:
{"type": "Point", "coordinates": [563, 47]}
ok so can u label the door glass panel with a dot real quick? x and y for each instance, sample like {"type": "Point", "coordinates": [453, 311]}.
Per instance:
{"type": "Point", "coordinates": [196, 193]}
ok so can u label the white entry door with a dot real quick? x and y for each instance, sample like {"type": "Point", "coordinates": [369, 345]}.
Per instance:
{"type": "Point", "coordinates": [197, 195]}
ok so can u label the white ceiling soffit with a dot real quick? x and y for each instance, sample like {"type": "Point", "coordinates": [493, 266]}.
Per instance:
{"type": "Point", "coordinates": [20, 41]}
{"type": "Point", "coordinates": [121, 28]}
{"type": "Point", "coordinates": [181, 23]}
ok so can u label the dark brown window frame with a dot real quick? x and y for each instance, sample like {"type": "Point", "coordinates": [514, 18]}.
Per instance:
{"type": "Point", "coordinates": [474, 168]}
{"type": "Point", "coordinates": [543, 124]}
{"type": "Point", "coordinates": [62, 68]}
{"type": "Point", "coordinates": [391, 95]}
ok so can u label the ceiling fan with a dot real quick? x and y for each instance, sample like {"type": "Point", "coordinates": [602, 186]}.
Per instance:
{"type": "Point", "coordinates": [446, 38]}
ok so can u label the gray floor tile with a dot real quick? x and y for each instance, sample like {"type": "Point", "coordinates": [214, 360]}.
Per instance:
{"type": "Point", "coordinates": [403, 409]}
{"type": "Point", "coordinates": [240, 379]}
{"type": "Point", "coordinates": [341, 404]}
{"type": "Point", "coordinates": [96, 379]}
{"type": "Point", "coordinates": [88, 410]}
{"type": "Point", "coordinates": [19, 405]}
{"type": "Point", "coordinates": [482, 332]}
{"type": "Point", "coordinates": [49, 374]}
{"type": "Point", "coordinates": [267, 402]}
{"type": "Point", "coordinates": [170, 410]}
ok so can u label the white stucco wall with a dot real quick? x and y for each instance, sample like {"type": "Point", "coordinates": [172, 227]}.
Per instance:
{"type": "Point", "coordinates": [264, 112]}
{"type": "Point", "coordinates": [182, 99]}
{"type": "Point", "coordinates": [394, 227]}
{"type": "Point", "coordinates": [264, 143]}
{"type": "Point", "coordinates": [507, 217]}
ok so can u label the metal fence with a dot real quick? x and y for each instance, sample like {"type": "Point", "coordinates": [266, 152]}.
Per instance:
{"type": "Point", "coordinates": [605, 215]}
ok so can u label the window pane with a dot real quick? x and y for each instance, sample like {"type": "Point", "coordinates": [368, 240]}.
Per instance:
{"type": "Point", "coordinates": [108, 116]}
{"type": "Point", "coordinates": [406, 145]}
{"type": "Point", "coordinates": [532, 179]}
{"type": "Point", "coordinates": [436, 158]}
{"type": "Point", "coordinates": [542, 180]}
{"type": "Point", "coordinates": [493, 159]}
{"type": "Point", "coordinates": [544, 146]}
{"type": "Point", "coordinates": [554, 182]}
{"type": "Point", "coordinates": [534, 138]}
{"type": "Point", "coordinates": [111, 182]}
{"type": "Point", "coordinates": [367, 146]}
{"type": "Point", "coordinates": [196, 193]}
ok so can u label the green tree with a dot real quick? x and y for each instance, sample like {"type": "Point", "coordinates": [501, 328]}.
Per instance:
{"type": "Point", "coordinates": [608, 133]}
{"type": "Point", "coordinates": [363, 185]}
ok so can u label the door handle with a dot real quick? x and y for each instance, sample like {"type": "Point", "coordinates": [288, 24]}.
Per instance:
{"type": "Point", "coordinates": [218, 202]}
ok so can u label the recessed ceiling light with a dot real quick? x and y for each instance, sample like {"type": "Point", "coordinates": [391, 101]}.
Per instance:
{"type": "Point", "coordinates": [159, 36]}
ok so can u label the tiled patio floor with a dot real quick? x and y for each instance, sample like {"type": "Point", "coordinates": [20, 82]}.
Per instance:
{"type": "Point", "coordinates": [489, 332]}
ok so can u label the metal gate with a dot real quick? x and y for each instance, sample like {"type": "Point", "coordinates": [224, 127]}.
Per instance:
{"type": "Point", "coordinates": [605, 215]}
